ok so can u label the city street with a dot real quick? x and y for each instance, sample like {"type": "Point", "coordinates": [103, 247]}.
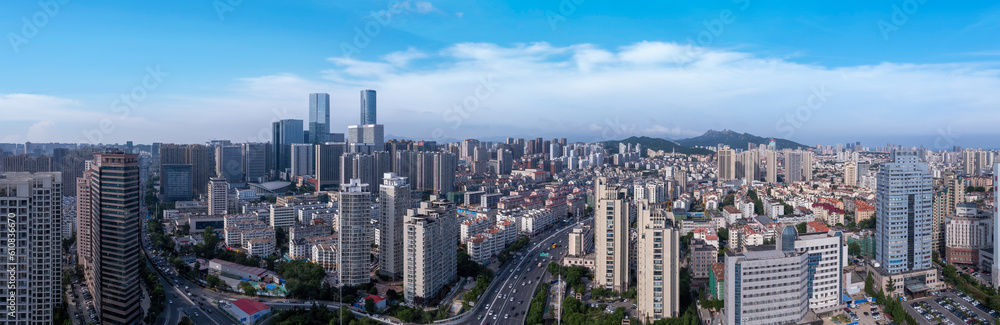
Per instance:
{"type": "Point", "coordinates": [520, 269]}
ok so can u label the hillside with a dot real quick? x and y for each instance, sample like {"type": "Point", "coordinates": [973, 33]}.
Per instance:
{"type": "Point", "coordinates": [655, 144]}
{"type": "Point", "coordinates": [735, 140]}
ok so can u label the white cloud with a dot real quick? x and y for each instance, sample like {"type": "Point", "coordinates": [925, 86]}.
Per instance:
{"type": "Point", "coordinates": [539, 89]}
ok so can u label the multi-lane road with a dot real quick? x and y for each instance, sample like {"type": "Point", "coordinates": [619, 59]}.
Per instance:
{"type": "Point", "coordinates": [507, 299]}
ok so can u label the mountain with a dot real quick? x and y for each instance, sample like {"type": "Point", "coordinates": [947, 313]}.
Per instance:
{"type": "Point", "coordinates": [655, 144]}
{"type": "Point", "coordinates": [735, 140]}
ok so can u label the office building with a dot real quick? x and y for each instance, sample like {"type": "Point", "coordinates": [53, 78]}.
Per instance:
{"type": "Point", "coordinates": [850, 173]}
{"type": "Point", "coordinates": [303, 160]}
{"type": "Point", "coordinates": [202, 161]}
{"type": "Point", "coordinates": [966, 233]}
{"type": "Point", "coordinates": [374, 134]}
{"type": "Point", "coordinates": [255, 162]}
{"type": "Point", "coordinates": [31, 205]}
{"type": "Point", "coordinates": [328, 164]}
{"type": "Point", "coordinates": [657, 291]}
{"type": "Point", "coordinates": [354, 218]}
{"type": "Point", "coordinates": [285, 133]}
{"type": "Point", "coordinates": [903, 203]}
{"type": "Point", "coordinates": [112, 269]}
{"type": "Point", "coordinates": [229, 163]}
{"type": "Point", "coordinates": [827, 255]}
{"type": "Point", "coordinates": [430, 258]}
{"type": "Point", "coordinates": [394, 198]}
{"type": "Point", "coordinates": [368, 107]}
{"type": "Point", "coordinates": [319, 118]}
{"type": "Point", "coordinates": [727, 164]}
{"type": "Point", "coordinates": [175, 183]}
{"type": "Point", "coordinates": [611, 235]}
{"type": "Point", "coordinates": [218, 196]}
{"type": "Point", "coordinates": [765, 285]}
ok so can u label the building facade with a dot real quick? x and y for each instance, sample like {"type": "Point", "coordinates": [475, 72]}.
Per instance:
{"type": "Point", "coordinates": [903, 206]}
{"type": "Point", "coordinates": [394, 199]}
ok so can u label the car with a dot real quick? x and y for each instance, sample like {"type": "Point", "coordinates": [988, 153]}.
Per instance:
{"type": "Point", "coordinates": [196, 314]}
{"type": "Point", "coordinates": [511, 299]}
{"type": "Point", "coordinates": [170, 301]}
{"type": "Point", "coordinates": [491, 312]}
{"type": "Point", "coordinates": [495, 317]}
{"type": "Point", "coordinates": [520, 302]}
{"type": "Point", "coordinates": [506, 316]}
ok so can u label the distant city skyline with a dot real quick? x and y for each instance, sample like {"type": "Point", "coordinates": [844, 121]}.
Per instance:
{"type": "Point", "coordinates": [456, 70]}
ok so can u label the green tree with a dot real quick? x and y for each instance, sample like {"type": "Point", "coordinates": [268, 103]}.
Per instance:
{"type": "Point", "coordinates": [302, 279]}
{"type": "Point", "coordinates": [870, 284]}
{"type": "Point", "coordinates": [801, 227]}
{"type": "Point", "coordinates": [723, 235]}
{"type": "Point", "coordinates": [248, 288]}
{"type": "Point", "coordinates": [853, 249]}
{"type": "Point", "coordinates": [370, 306]}
{"type": "Point", "coordinates": [890, 287]}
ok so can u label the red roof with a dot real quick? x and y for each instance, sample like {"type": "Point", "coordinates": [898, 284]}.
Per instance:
{"type": "Point", "coordinates": [249, 306]}
{"type": "Point", "coordinates": [375, 298]}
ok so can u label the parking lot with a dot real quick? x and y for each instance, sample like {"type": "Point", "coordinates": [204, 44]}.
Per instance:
{"type": "Point", "coordinates": [949, 308]}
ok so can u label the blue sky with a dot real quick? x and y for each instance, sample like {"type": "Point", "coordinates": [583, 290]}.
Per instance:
{"type": "Point", "coordinates": [871, 71]}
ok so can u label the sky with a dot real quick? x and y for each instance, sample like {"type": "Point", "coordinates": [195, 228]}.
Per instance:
{"type": "Point", "coordinates": [912, 72]}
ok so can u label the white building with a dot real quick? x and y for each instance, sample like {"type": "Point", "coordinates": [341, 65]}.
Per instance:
{"type": "Point", "coordinates": [260, 247]}
{"type": "Point", "coordinates": [430, 260]}
{"type": "Point", "coordinates": [218, 196]}
{"type": "Point", "coordinates": [353, 245]}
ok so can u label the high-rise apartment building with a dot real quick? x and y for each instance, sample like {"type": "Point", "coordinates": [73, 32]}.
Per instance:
{"type": "Point", "coordinates": [368, 107]}
{"type": "Point", "coordinates": [445, 167]}
{"type": "Point", "coordinates": [727, 164]}
{"type": "Point", "coordinates": [793, 167]}
{"type": "Point", "coordinates": [996, 226]}
{"type": "Point", "coordinates": [353, 219]}
{"type": "Point", "coordinates": [903, 203]}
{"type": "Point", "coordinates": [611, 236]}
{"type": "Point", "coordinates": [657, 288]}
{"type": "Point", "coordinates": [218, 196]}
{"type": "Point", "coordinates": [771, 159]}
{"type": "Point", "coordinates": [850, 173]}
{"type": "Point", "coordinates": [394, 198]}
{"type": "Point", "coordinates": [807, 166]}
{"type": "Point", "coordinates": [112, 269]}
{"type": "Point", "coordinates": [430, 258]}
{"type": "Point", "coordinates": [319, 118]}
{"type": "Point", "coordinates": [31, 206]}
{"type": "Point", "coordinates": [751, 166]}
{"type": "Point", "coordinates": [285, 133]}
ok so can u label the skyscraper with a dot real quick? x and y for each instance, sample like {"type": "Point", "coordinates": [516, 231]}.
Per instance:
{"type": "Point", "coordinates": [328, 164]}
{"type": "Point", "coordinates": [303, 160]}
{"type": "Point", "coordinates": [32, 212]}
{"type": "Point", "coordinates": [229, 163]}
{"type": "Point", "coordinates": [175, 182]}
{"type": "Point", "coordinates": [285, 133]}
{"type": "Point", "coordinates": [354, 218]}
{"type": "Point", "coordinates": [996, 226]}
{"type": "Point", "coordinates": [727, 164]}
{"type": "Point", "coordinates": [201, 159]}
{"type": "Point", "coordinates": [368, 107]}
{"type": "Point", "coordinates": [445, 166]}
{"type": "Point", "coordinates": [611, 236]}
{"type": "Point", "coordinates": [657, 275]}
{"type": "Point", "coordinates": [113, 265]}
{"type": "Point", "coordinates": [807, 166]}
{"type": "Point", "coordinates": [255, 162]}
{"type": "Point", "coordinates": [903, 203]}
{"type": "Point", "coordinates": [394, 198]}
{"type": "Point", "coordinates": [751, 166]}
{"type": "Point", "coordinates": [319, 118]}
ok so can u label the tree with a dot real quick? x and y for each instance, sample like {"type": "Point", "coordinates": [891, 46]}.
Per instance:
{"type": "Point", "coordinates": [723, 235]}
{"type": "Point", "coordinates": [801, 227]}
{"type": "Point", "coordinates": [890, 287]}
{"type": "Point", "coordinates": [370, 306]}
{"type": "Point", "coordinates": [248, 288]}
{"type": "Point", "coordinates": [870, 284]}
{"type": "Point", "coordinates": [853, 249]}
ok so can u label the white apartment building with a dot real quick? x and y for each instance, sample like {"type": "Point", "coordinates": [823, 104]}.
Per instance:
{"type": "Point", "coordinates": [260, 247]}
{"type": "Point", "coordinates": [218, 196]}
{"type": "Point", "coordinates": [430, 260]}
{"type": "Point", "coordinates": [353, 221]}
{"type": "Point", "coordinates": [657, 274]}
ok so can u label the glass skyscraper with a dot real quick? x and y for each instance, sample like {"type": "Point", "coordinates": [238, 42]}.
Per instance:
{"type": "Point", "coordinates": [319, 118]}
{"type": "Point", "coordinates": [368, 107]}
{"type": "Point", "coordinates": [903, 204]}
{"type": "Point", "coordinates": [285, 133]}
